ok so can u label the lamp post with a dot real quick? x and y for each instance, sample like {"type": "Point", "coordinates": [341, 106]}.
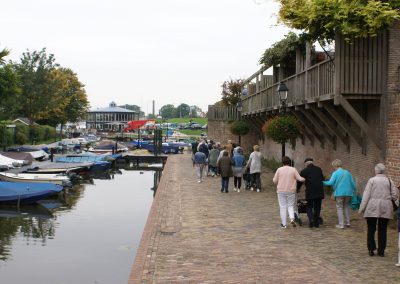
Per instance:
{"type": "Point", "coordinates": [239, 109]}
{"type": "Point", "coordinates": [282, 91]}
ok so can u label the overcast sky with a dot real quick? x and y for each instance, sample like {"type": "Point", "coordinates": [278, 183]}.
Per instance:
{"type": "Point", "coordinates": [131, 51]}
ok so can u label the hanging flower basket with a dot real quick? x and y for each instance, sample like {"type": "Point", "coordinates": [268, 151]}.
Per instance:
{"type": "Point", "coordinates": [282, 129]}
{"type": "Point", "coordinates": [239, 127]}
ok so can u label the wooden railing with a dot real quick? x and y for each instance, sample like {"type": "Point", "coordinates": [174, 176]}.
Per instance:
{"type": "Point", "coordinates": [312, 83]}
{"type": "Point", "coordinates": [222, 113]}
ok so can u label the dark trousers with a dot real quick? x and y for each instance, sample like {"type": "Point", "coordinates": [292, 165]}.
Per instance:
{"type": "Point", "coordinates": [255, 180]}
{"type": "Point", "coordinates": [237, 181]}
{"type": "Point", "coordinates": [224, 183]}
{"type": "Point", "coordinates": [314, 210]}
{"type": "Point", "coordinates": [382, 229]}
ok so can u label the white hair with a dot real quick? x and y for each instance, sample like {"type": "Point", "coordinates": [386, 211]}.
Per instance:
{"type": "Point", "coordinates": [380, 168]}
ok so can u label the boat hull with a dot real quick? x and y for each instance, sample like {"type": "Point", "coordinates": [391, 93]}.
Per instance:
{"type": "Point", "coordinates": [26, 193]}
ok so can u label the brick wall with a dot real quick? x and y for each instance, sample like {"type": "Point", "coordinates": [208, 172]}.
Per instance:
{"type": "Point", "coordinates": [219, 131]}
{"type": "Point", "coordinates": [361, 166]}
{"type": "Point", "coordinates": [393, 106]}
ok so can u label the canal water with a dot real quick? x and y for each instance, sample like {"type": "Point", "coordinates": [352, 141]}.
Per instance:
{"type": "Point", "coordinates": [90, 237]}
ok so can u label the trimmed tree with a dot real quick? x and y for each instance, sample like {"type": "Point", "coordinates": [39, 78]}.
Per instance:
{"type": "Point", "coordinates": [239, 127]}
{"type": "Point", "coordinates": [282, 129]}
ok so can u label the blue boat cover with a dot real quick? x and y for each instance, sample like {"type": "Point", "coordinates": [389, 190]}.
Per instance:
{"type": "Point", "coordinates": [26, 191]}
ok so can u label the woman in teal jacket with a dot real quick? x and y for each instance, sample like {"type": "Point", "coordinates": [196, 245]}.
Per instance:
{"type": "Point", "coordinates": [343, 185]}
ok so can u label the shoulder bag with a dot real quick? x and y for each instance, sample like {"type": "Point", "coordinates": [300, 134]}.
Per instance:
{"type": "Point", "coordinates": [395, 207]}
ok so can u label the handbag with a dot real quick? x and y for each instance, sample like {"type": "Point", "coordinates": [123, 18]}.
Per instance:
{"type": "Point", "coordinates": [395, 207]}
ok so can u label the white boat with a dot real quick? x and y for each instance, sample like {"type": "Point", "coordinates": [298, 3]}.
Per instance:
{"type": "Point", "coordinates": [27, 177]}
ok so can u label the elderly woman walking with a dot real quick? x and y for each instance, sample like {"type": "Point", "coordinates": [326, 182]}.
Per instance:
{"type": "Point", "coordinates": [377, 206]}
{"type": "Point", "coordinates": [255, 164]}
{"type": "Point", "coordinates": [286, 178]}
{"type": "Point", "coordinates": [344, 186]}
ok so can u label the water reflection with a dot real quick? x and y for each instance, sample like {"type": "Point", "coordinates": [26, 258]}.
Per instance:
{"type": "Point", "coordinates": [33, 223]}
{"type": "Point", "coordinates": [107, 211]}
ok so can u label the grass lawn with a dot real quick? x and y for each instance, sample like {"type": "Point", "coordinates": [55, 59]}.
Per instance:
{"type": "Point", "coordinates": [195, 132]}
{"type": "Point", "coordinates": [199, 120]}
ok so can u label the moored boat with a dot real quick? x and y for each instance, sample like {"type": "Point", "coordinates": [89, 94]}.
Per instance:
{"type": "Point", "coordinates": [35, 178]}
{"type": "Point", "coordinates": [26, 192]}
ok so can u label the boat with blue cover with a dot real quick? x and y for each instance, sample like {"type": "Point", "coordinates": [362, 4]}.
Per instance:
{"type": "Point", "coordinates": [26, 192]}
{"type": "Point", "coordinates": [100, 162]}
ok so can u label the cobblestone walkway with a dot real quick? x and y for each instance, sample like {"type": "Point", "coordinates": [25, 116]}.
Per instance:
{"type": "Point", "coordinates": [196, 234]}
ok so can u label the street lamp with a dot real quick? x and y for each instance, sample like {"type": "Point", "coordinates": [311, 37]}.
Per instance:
{"type": "Point", "coordinates": [282, 91]}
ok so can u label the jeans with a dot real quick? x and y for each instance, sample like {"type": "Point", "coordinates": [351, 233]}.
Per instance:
{"type": "Point", "coordinates": [314, 210]}
{"type": "Point", "coordinates": [382, 229]}
{"type": "Point", "coordinates": [343, 210]}
{"type": "Point", "coordinates": [224, 184]}
{"type": "Point", "coordinates": [199, 171]}
{"type": "Point", "coordinates": [286, 202]}
{"type": "Point", "coordinates": [237, 181]}
{"type": "Point", "coordinates": [255, 180]}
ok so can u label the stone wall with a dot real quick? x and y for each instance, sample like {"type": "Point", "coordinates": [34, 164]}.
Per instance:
{"type": "Point", "coordinates": [219, 131]}
{"type": "Point", "coordinates": [393, 105]}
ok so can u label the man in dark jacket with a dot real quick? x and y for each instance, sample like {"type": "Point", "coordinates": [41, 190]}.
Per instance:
{"type": "Point", "coordinates": [314, 191]}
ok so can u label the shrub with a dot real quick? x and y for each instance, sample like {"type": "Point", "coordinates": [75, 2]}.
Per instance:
{"type": "Point", "coordinates": [282, 129]}
{"type": "Point", "coordinates": [239, 127]}
{"type": "Point", "coordinates": [20, 138]}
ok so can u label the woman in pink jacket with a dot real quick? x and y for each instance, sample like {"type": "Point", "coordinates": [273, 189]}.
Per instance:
{"type": "Point", "coordinates": [286, 178]}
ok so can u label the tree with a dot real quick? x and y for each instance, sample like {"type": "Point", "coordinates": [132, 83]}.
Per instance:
{"type": "Point", "coordinates": [35, 72]}
{"type": "Point", "coordinates": [195, 111]}
{"type": "Point", "coordinates": [231, 92]}
{"type": "Point", "coordinates": [3, 54]}
{"type": "Point", "coordinates": [183, 110]}
{"type": "Point", "coordinates": [69, 102]}
{"type": "Point", "coordinates": [282, 129]}
{"type": "Point", "coordinates": [9, 90]}
{"type": "Point", "coordinates": [168, 111]}
{"type": "Point", "coordinates": [320, 20]}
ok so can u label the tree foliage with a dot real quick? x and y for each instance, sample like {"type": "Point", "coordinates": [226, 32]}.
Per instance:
{"type": "Point", "coordinates": [240, 127]}
{"type": "Point", "coordinates": [231, 92]}
{"type": "Point", "coordinates": [282, 129]}
{"type": "Point", "coordinates": [321, 19]}
{"type": "Point", "coordinates": [167, 111]}
{"type": "Point", "coordinates": [283, 52]}
{"type": "Point", "coordinates": [35, 72]}
{"type": "Point", "coordinates": [182, 110]}
{"type": "Point", "coordinates": [9, 91]}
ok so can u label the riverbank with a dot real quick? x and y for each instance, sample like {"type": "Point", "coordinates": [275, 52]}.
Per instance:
{"type": "Point", "coordinates": [196, 234]}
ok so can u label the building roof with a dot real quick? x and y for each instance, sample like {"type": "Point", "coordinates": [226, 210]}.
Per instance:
{"type": "Point", "coordinates": [24, 120]}
{"type": "Point", "coordinates": [112, 108]}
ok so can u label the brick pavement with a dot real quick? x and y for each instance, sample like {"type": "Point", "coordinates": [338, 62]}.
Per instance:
{"type": "Point", "coordinates": [196, 234]}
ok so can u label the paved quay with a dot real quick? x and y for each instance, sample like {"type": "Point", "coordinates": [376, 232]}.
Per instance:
{"type": "Point", "coordinates": [196, 234]}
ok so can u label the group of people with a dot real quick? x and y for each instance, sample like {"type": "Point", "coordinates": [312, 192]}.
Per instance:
{"type": "Point", "coordinates": [379, 199]}
{"type": "Point", "coordinates": [227, 161]}
{"type": "Point", "coordinates": [378, 202]}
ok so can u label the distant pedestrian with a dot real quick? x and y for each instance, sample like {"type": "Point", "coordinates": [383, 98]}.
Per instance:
{"type": "Point", "coordinates": [229, 148]}
{"type": "Point", "coordinates": [286, 178]}
{"type": "Point", "coordinates": [225, 169]}
{"type": "Point", "coordinates": [239, 164]}
{"type": "Point", "coordinates": [377, 207]}
{"type": "Point", "coordinates": [203, 147]}
{"type": "Point", "coordinates": [255, 165]}
{"type": "Point", "coordinates": [199, 163]}
{"type": "Point", "coordinates": [212, 161]}
{"type": "Point", "coordinates": [344, 186]}
{"type": "Point", "coordinates": [314, 191]}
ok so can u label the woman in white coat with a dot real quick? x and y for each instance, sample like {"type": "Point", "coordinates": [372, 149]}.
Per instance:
{"type": "Point", "coordinates": [377, 207]}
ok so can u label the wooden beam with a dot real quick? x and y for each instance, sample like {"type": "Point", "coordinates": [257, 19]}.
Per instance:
{"type": "Point", "coordinates": [328, 123]}
{"type": "Point", "coordinates": [336, 116]}
{"type": "Point", "coordinates": [359, 121]}
{"type": "Point", "coordinates": [309, 128]}
{"type": "Point", "coordinates": [319, 128]}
